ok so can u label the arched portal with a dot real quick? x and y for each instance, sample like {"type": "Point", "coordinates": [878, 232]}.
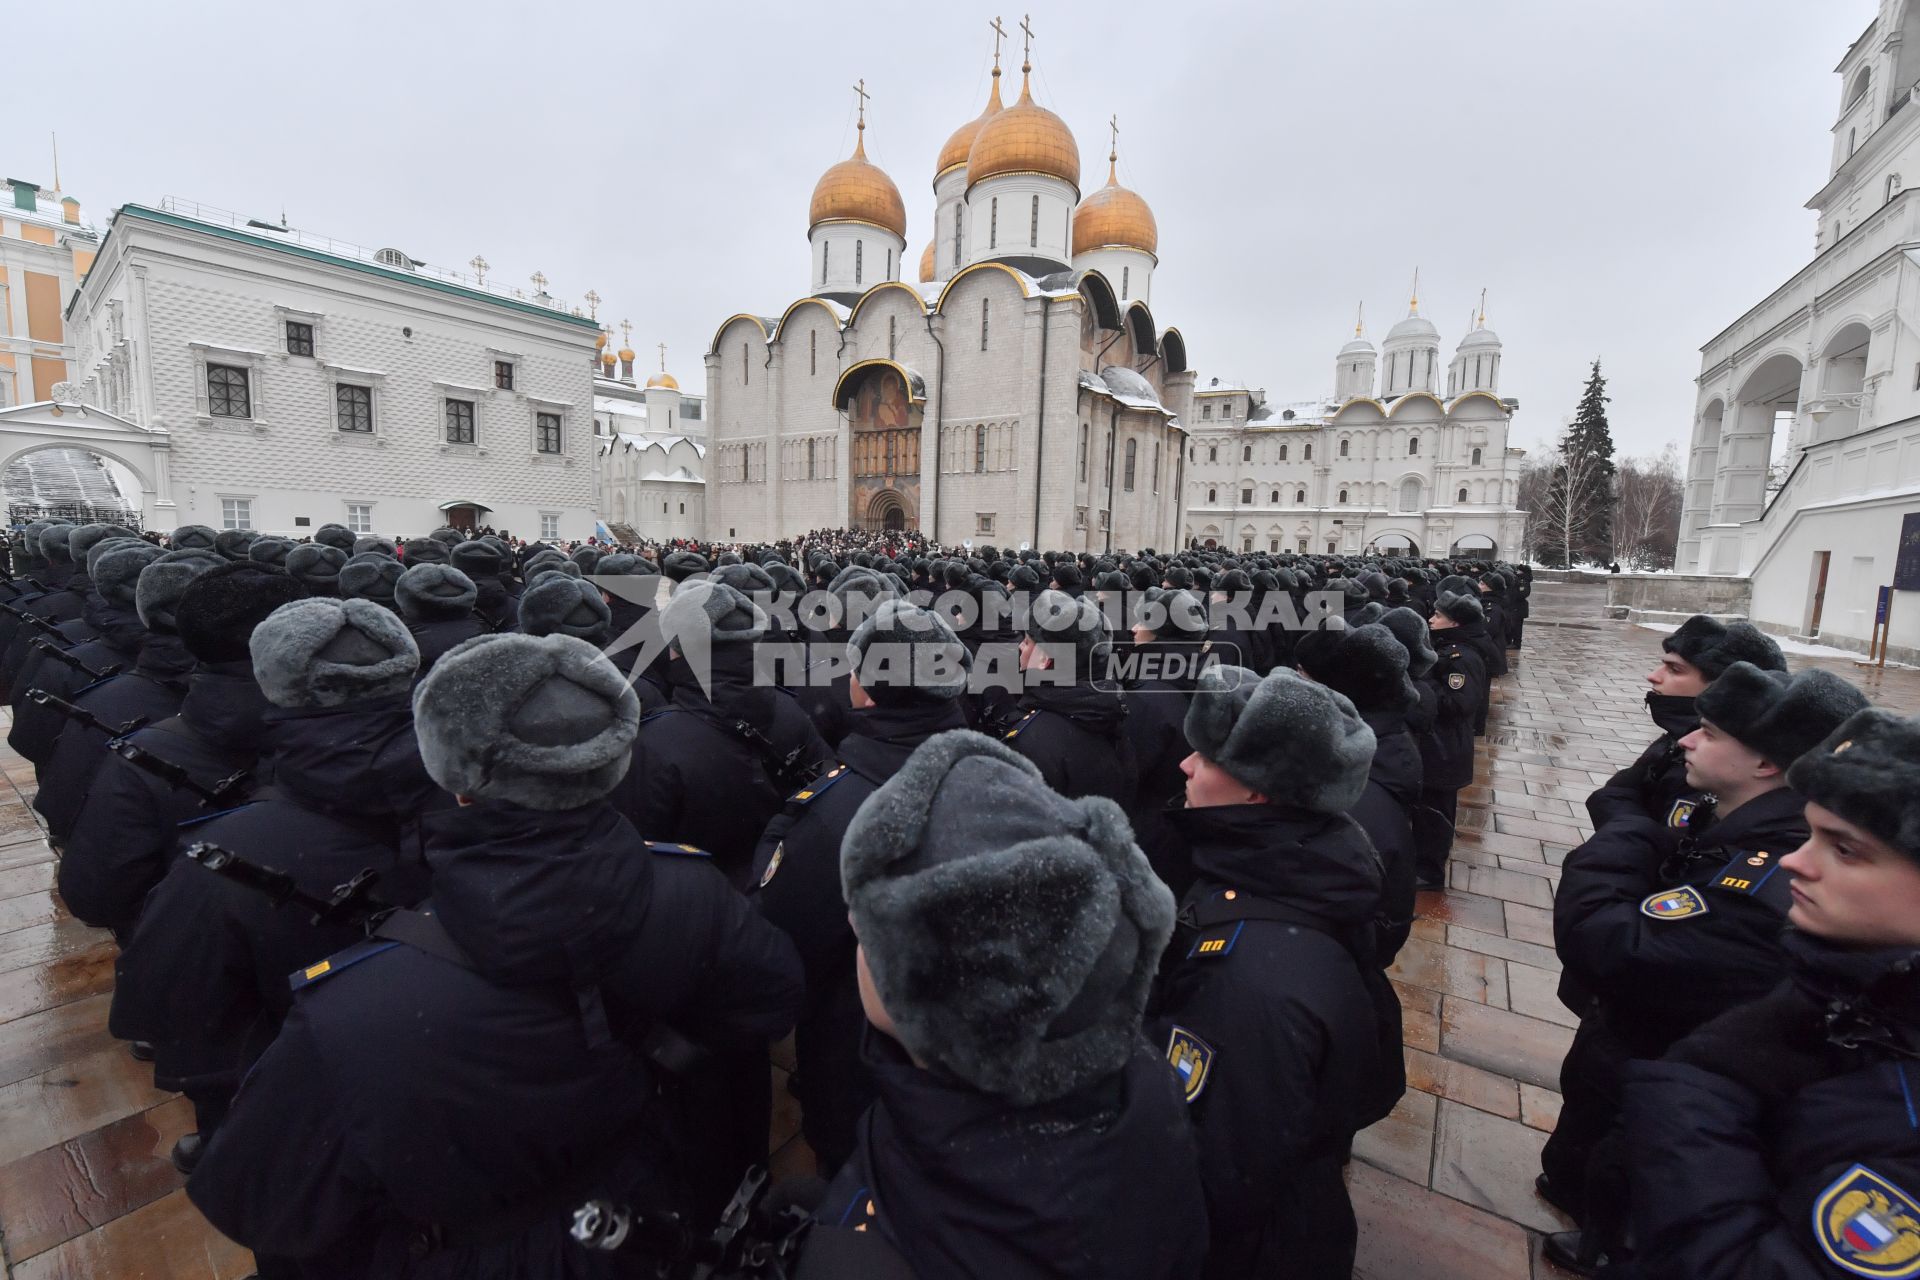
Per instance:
{"type": "Point", "coordinates": [1477, 546]}
{"type": "Point", "coordinates": [1395, 542]}
{"type": "Point", "coordinates": [1753, 442]}
{"type": "Point", "coordinates": [884, 403]}
{"type": "Point", "coordinates": [1835, 410]}
{"type": "Point", "coordinates": [89, 462]}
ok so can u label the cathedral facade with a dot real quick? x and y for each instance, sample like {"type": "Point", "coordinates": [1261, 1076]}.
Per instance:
{"type": "Point", "coordinates": [1020, 391]}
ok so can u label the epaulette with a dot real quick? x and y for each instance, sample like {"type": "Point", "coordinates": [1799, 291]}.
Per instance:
{"type": "Point", "coordinates": [199, 818]}
{"type": "Point", "coordinates": [655, 715]}
{"type": "Point", "coordinates": [1216, 943]}
{"type": "Point", "coordinates": [1024, 721]}
{"type": "Point", "coordinates": [809, 793]}
{"type": "Point", "coordinates": [339, 960]}
{"type": "Point", "coordinates": [1749, 873]}
{"type": "Point", "coordinates": [672, 850]}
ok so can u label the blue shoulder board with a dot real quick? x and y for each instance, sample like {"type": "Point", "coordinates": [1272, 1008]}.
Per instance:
{"type": "Point", "coordinates": [199, 818]}
{"type": "Point", "coordinates": [302, 978]}
{"type": "Point", "coordinates": [1025, 720]}
{"type": "Point", "coordinates": [672, 850]}
{"type": "Point", "coordinates": [655, 715]}
{"type": "Point", "coordinates": [811, 792]}
{"type": "Point", "coordinates": [1747, 873]}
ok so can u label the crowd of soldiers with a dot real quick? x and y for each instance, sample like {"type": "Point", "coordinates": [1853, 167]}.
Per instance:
{"type": "Point", "coordinates": [463, 888]}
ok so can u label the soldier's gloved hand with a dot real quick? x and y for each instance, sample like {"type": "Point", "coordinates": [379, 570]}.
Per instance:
{"type": "Point", "coordinates": [1775, 1046]}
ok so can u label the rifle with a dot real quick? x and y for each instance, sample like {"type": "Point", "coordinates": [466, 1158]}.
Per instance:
{"type": "Point", "coordinates": [176, 775]}
{"type": "Point", "coordinates": [53, 650]}
{"type": "Point", "coordinates": [349, 903]}
{"type": "Point", "coordinates": [80, 715]}
{"type": "Point", "coordinates": [749, 1243]}
{"type": "Point", "coordinates": [31, 619]}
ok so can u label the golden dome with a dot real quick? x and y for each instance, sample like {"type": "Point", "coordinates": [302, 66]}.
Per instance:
{"type": "Point", "coordinates": [626, 354]}
{"type": "Point", "coordinates": [1025, 138]}
{"type": "Point", "coordinates": [855, 190]}
{"type": "Point", "coordinates": [606, 358]}
{"type": "Point", "coordinates": [927, 269]}
{"type": "Point", "coordinates": [1114, 217]}
{"type": "Point", "coordinates": [663, 379]}
{"type": "Point", "coordinates": [600, 340]}
{"type": "Point", "coordinates": [954, 154]}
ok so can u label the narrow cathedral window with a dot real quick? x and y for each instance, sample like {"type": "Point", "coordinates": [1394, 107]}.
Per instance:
{"type": "Point", "coordinates": [979, 449]}
{"type": "Point", "coordinates": [891, 336]}
{"type": "Point", "coordinates": [826, 251]}
{"type": "Point", "coordinates": [1213, 453]}
{"type": "Point", "coordinates": [1246, 453]}
{"type": "Point", "coordinates": [1306, 453]}
{"type": "Point", "coordinates": [1126, 273]}
{"type": "Point", "coordinates": [1246, 496]}
{"type": "Point", "coordinates": [993, 223]}
{"type": "Point", "coordinates": [1463, 495]}
{"type": "Point", "coordinates": [813, 351]}
{"type": "Point", "coordinates": [1083, 452]}
{"type": "Point", "coordinates": [1300, 498]}
{"type": "Point", "coordinates": [1343, 448]}
{"type": "Point", "coordinates": [1413, 447]}
{"type": "Point", "coordinates": [859, 259]}
{"type": "Point", "coordinates": [957, 224]}
{"type": "Point", "coordinates": [810, 472]}
{"type": "Point", "coordinates": [1343, 496]}
{"type": "Point", "coordinates": [983, 318]}
{"type": "Point", "coordinates": [1283, 453]}
{"type": "Point", "coordinates": [744, 371]}
{"type": "Point", "coordinates": [1213, 496]}
{"type": "Point", "coordinates": [1132, 445]}
{"type": "Point", "coordinates": [1273, 499]}
{"type": "Point", "coordinates": [1033, 226]}
{"type": "Point", "coordinates": [1476, 457]}
{"type": "Point", "coordinates": [889, 264]}
{"type": "Point", "coordinates": [1156, 466]}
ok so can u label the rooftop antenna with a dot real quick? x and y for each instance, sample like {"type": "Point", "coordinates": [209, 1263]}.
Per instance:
{"type": "Point", "coordinates": [56, 162]}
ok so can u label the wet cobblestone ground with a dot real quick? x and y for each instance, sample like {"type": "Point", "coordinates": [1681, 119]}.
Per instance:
{"type": "Point", "coordinates": [1443, 1187]}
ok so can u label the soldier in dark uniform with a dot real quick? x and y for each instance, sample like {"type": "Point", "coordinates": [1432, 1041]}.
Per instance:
{"type": "Point", "coordinates": [494, 602]}
{"type": "Point", "coordinates": [317, 566]}
{"type": "Point", "coordinates": [1459, 680]}
{"type": "Point", "coordinates": [1008, 937]}
{"type": "Point", "coordinates": [1690, 659]}
{"type": "Point", "coordinates": [1272, 1007]}
{"type": "Point", "coordinates": [1068, 720]}
{"type": "Point", "coordinates": [1660, 928]}
{"type": "Point", "coordinates": [1167, 637]}
{"type": "Point", "coordinates": [371, 575]}
{"type": "Point", "coordinates": [560, 604]}
{"type": "Point", "coordinates": [443, 1093]}
{"type": "Point", "coordinates": [915, 673]}
{"type": "Point", "coordinates": [436, 601]}
{"type": "Point", "coordinates": [1779, 1141]}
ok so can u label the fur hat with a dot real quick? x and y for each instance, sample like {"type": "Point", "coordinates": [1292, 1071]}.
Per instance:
{"type": "Point", "coordinates": [375, 543]}
{"type": "Point", "coordinates": [551, 567]}
{"type": "Point", "coordinates": [116, 566]}
{"type": "Point", "coordinates": [586, 557]}
{"type": "Point", "coordinates": [1294, 741]}
{"type": "Point", "coordinates": [318, 566]}
{"type": "Point", "coordinates": [156, 596]}
{"type": "Point", "coordinates": [477, 560]}
{"type": "Point", "coordinates": [272, 552]}
{"type": "Point", "coordinates": [191, 537]}
{"type": "Point", "coordinates": [1864, 771]}
{"type": "Point", "coordinates": [56, 546]}
{"type": "Point", "coordinates": [1012, 934]}
{"type": "Point", "coordinates": [559, 604]}
{"type": "Point", "coordinates": [434, 592]}
{"type": "Point", "coordinates": [544, 722]}
{"type": "Point", "coordinates": [83, 538]}
{"type": "Point", "coordinates": [448, 535]}
{"type": "Point", "coordinates": [919, 658]}
{"type": "Point", "coordinates": [371, 579]}
{"type": "Point", "coordinates": [335, 535]}
{"type": "Point", "coordinates": [112, 541]}
{"type": "Point", "coordinates": [1066, 574]}
{"type": "Point", "coordinates": [424, 551]}
{"type": "Point", "coordinates": [1411, 630]}
{"type": "Point", "coordinates": [1779, 716]}
{"type": "Point", "coordinates": [219, 609]}
{"type": "Point", "coordinates": [708, 609]}
{"type": "Point", "coordinates": [26, 546]}
{"type": "Point", "coordinates": [744, 578]}
{"type": "Point", "coordinates": [1712, 646]}
{"type": "Point", "coordinates": [1366, 663]}
{"type": "Point", "coordinates": [323, 652]}
{"type": "Point", "coordinates": [1022, 578]}
{"type": "Point", "coordinates": [859, 591]}
{"type": "Point", "coordinates": [1457, 598]}
{"type": "Point", "coordinates": [1060, 621]}
{"type": "Point", "coordinates": [1173, 614]}
{"type": "Point", "coordinates": [681, 565]}
{"type": "Point", "coordinates": [234, 544]}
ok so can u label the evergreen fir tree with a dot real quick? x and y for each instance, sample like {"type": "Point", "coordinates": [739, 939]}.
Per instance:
{"type": "Point", "coordinates": [1590, 441]}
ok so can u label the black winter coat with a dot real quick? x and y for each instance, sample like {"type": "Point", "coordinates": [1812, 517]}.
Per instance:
{"type": "Point", "coordinates": [65, 635]}
{"type": "Point", "coordinates": [204, 977]}
{"type": "Point", "coordinates": [799, 861]}
{"type": "Point", "coordinates": [409, 1096]}
{"type": "Point", "coordinates": [437, 637]}
{"type": "Point", "coordinates": [1812, 1181]}
{"type": "Point", "coordinates": [1156, 730]}
{"type": "Point", "coordinates": [117, 648]}
{"type": "Point", "coordinates": [1077, 736]}
{"type": "Point", "coordinates": [1493, 661]}
{"type": "Point", "coordinates": [69, 605]}
{"type": "Point", "coordinates": [1099, 1184]}
{"type": "Point", "coordinates": [151, 692]}
{"type": "Point", "coordinates": [127, 834]}
{"type": "Point", "coordinates": [1459, 686]}
{"type": "Point", "coordinates": [1286, 1030]}
{"type": "Point", "coordinates": [1385, 812]}
{"type": "Point", "coordinates": [1654, 783]}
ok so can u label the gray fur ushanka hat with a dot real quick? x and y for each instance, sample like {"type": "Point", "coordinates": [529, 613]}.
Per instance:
{"type": "Point", "coordinates": [559, 604]}
{"type": "Point", "coordinates": [904, 653]}
{"type": "Point", "coordinates": [335, 535]}
{"type": "Point", "coordinates": [545, 722]}
{"type": "Point", "coordinates": [1061, 622]}
{"type": "Point", "coordinates": [1457, 598]}
{"type": "Point", "coordinates": [317, 565]}
{"type": "Point", "coordinates": [115, 567]}
{"type": "Point", "coordinates": [434, 592]}
{"type": "Point", "coordinates": [708, 608]}
{"type": "Point", "coordinates": [1415, 637]}
{"type": "Point", "coordinates": [1711, 646]}
{"type": "Point", "coordinates": [1864, 771]}
{"type": "Point", "coordinates": [1780, 717]}
{"type": "Point", "coordinates": [1011, 933]}
{"type": "Point", "coordinates": [324, 652]}
{"type": "Point", "coordinates": [1295, 742]}
{"type": "Point", "coordinates": [373, 578]}
{"type": "Point", "coordinates": [161, 583]}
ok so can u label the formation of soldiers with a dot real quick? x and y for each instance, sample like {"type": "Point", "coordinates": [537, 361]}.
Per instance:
{"type": "Point", "coordinates": [463, 890]}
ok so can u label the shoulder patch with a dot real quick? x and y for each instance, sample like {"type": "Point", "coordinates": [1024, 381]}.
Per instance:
{"type": "Point", "coordinates": [1682, 810]}
{"type": "Point", "coordinates": [1025, 720]}
{"type": "Point", "coordinates": [1868, 1226]}
{"type": "Point", "coordinates": [1682, 903]}
{"type": "Point", "coordinates": [1458, 680]}
{"type": "Point", "coordinates": [301, 978]}
{"type": "Point", "coordinates": [1746, 873]}
{"type": "Point", "coordinates": [672, 850]}
{"type": "Point", "coordinates": [1217, 943]}
{"type": "Point", "coordinates": [773, 863]}
{"type": "Point", "coordinates": [806, 794]}
{"type": "Point", "coordinates": [1192, 1061]}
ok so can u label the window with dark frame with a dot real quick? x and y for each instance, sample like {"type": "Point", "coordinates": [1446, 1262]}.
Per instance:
{"type": "Point", "coordinates": [459, 422]}
{"type": "Point", "coordinates": [979, 449]}
{"type": "Point", "coordinates": [983, 320]}
{"type": "Point", "coordinates": [353, 408]}
{"type": "Point", "coordinates": [546, 432]}
{"type": "Point", "coordinates": [299, 338]}
{"type": "Point", "coordinates": [1127, 468]}
{"type": "Point", "coordinates": [228, 395]}
{"type": "Point", "coordinates": [1033, 226]}
{"type": "Point", "coordinates": [503, 375]}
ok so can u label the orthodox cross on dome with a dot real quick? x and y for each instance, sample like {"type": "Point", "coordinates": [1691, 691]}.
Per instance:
{"type": "Point", "coordinates": [480, 265]}
{"type": "Point", "coordinates": [626, 333]}
{"type": "Point", "coordinates": [1413, 303]}
{"type": "Point", "coordinates": [1481, 322]}
{"type": "Point", "coordinates": [593, 304]}
{"type": "Point", "coordinates": [999, 33]}
{"type": "Point", "coordinates": [1026, 49]}
{"type": "Point", "coordinates": [539, 279]}
{"type": "Point", "coordinates": [1113, 150]}
{"type": "Point", "coordinates": [1360, 321]}
{"type": "Point", "coordinates": [663, 357]}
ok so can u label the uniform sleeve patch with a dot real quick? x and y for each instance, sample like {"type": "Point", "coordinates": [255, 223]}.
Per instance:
{"type": "Point", "coordinates": [1681, 811]}
{"type": "Point", "coordinates": [1682, 903]}
{"type": "Point", "coordinates": [1192, 1061]}
{"type": "Point", "coordinates": [1868, 1226]}
{"type": "Point", "coordinates": [773, 863]}
{"type": "Point", "coordinates": [1025, 720]}
{"type": "Point", "coordinates": [1458, 680]}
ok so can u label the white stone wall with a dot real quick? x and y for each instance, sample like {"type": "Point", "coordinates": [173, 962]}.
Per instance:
{"type": "Point", "coordinates": [190, 298]}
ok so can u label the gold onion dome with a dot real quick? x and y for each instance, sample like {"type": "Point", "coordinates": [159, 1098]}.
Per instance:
{"type": "Point", "coordinates": [600, 340]}
{"type": "Point", "coordinates": [606, 358]}
{"type": "Point", "coordinates": [954, 154]}
{"type": "Point", "coordinates": [663, 379]}
{"type": "Point", "coordinates": [856, 190]}
{"type": "Point", "coordinates": [1114, 217]}
{"type": "Point", "coordinates": [626, 354]}
{"type": "Point", "coordinates": [927, 270]}
{"type": "Point", "coordinates": [1025, 138]}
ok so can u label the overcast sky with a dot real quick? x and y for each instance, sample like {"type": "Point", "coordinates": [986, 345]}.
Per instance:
{"type": "Point", "coordinates": [1623, 179]}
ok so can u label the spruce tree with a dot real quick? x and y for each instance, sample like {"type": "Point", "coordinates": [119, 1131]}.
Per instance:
{"type": "Point", "coordinates": [1590, 441]}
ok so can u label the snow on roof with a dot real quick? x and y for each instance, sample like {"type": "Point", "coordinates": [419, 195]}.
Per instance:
{"type": "Point", "coordinates": [680, 476]}
{"type": "Point", "coordinates": [1298, 413]}
{"type": "Point", "coordinates": [661, 439]}
{"type": "Point", "coordinates": [1125, 386]}
{"type": "Point", "coordinates": [619, 407]}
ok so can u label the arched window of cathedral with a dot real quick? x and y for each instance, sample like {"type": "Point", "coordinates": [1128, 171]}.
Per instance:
{"type": "Point", "coordinates": [826, 251]}
{"type": "Point", "coordinates": [745, 372]}
{"type": "Point", "coordinates": [1273, 498]}
{"type": "Point", "coordinates": [1476, 457]}
{"type": "Point", "coordinates": [810, 469]}
{"type": "Point", "coordinates": [1343, 448]}
{"type": "Point", "coordinates": [1283, 453]}
{"type": "Point", "coordinates": [979, 449]}
{"type": "Point", "coordinates": [1413, 446]}
{"type": "Point", "coordinates": [889, 274]}
{"type": "Point", "coordinates": [1126, 274]}
{"type": "Point", "coordinates": [1463, 495]}
{"type": "Point", "coordinates": [1033, 226]}
{"type": "Point", "coordinates": [993, 223]}
{"type": "Point", "coordinates": [892, 338]}
{"type": "Point", "coordinates": [1156, 466]}
{"type": "Point", "coordinates": [983, 317]}
{"type": "Point", "coordinates": [1410, 494]}
{"type": "Point", "coordinates": [1300, 498]}
{"type": "Point", "coordinates": [958, 214]}
{"type": "Point", "coordinates": [1246, 453]}
{"type": "Point", "coordinates": [1246, 495]}
{"type": "Point", "coordinates": [1132, 448]}
{"type": "Point", "coordinates": [1213, 496]}
{"type": "Point", "coordinates": [859, 256]}
{"type": "Point", "coordinates": [1306, 453]}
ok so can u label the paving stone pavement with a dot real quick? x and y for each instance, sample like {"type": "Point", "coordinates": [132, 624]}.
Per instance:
{"type": "Point", "coordinates": [1443, 1187]}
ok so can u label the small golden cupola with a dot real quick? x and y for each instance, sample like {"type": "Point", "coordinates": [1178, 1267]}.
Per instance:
{"type": "Point", "coordinates": [1114, 233]}
{"type": "Point", "coordinates": [1023, 183]}
{"type": "Point", "coordinates": [857, 223]}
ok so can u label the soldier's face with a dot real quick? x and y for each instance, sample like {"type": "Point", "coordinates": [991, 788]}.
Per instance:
{"type": "Point", "coordinates": [1677, 678]}
{"type": "Point", "coordinates": [1716, 761]}
{"type": "Point", "coordinates": [1209, 785]}
{"type": "Point", "coordinates": [1851, 887]}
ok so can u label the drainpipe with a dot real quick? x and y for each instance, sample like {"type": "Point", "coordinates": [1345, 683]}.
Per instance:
{"type": "Point", "coordinates": [931, 526]}
{"type": "Point", "coordinates": [1040, 427]}
{"type": "Point", "coordinates": [1113, 453]}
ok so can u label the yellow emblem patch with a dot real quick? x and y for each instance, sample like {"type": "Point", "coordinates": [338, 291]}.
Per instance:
{"type": "Point", "coordinates": [1457, 681]}
{"type": "Point", "coordinates": [319, 969]}
{"type": "Point", "coordinates": [1192, 1060]}
{"type": "Point", "coordinates": [1681, 811]}
{"type": "Point", "coordinates": [773, 864]}
{"type": "Point", "coordinates": [1674, 904]}
{"type": "Point", "coordinates": [1868, 1226]}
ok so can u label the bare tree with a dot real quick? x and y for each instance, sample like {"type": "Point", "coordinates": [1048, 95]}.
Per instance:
{"type": "Point", "coordinates": [1646, 527]}
{"type": "Point", "coordinates": [1536, 473]}
{"type": "Point", "coordinates": [1578, 500]}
